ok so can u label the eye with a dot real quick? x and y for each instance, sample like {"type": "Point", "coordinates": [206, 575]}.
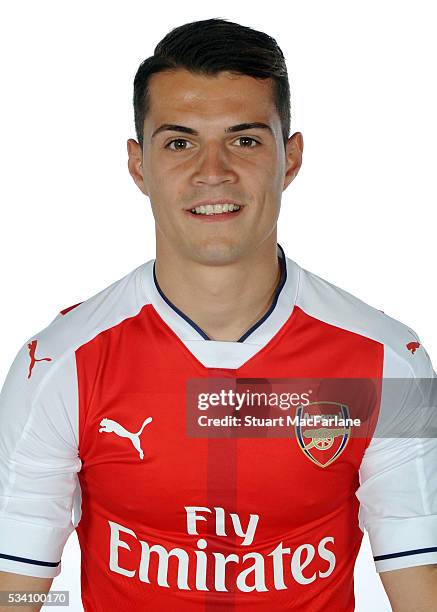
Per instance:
{"type": "Point", "coordinates": [248, 138]}
{"type": "Point", "coordinates": [179, 141]}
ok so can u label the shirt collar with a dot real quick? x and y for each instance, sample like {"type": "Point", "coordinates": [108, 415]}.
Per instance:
{"type": "Point", "coordinates": [259, 333]}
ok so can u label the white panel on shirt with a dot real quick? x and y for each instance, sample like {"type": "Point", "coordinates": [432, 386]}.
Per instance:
{"type": "Point", "coordinates": [398, 492]}
{"type": "Point", "coordinates": [398, 475]}
{"type": "Point", "coordinates": [39, 462]}
{"type": "Point", "coordinates": [40, 497]}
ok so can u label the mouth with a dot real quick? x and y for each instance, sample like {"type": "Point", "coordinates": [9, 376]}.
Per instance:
{"type": "Point", "coordinates": [215, 209]}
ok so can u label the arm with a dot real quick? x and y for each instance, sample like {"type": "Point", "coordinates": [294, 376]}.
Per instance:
{"type": "Point", "coordinates": [18, 582]}
{"type": "Point", "coordinates": [398, 484]}
{"type": "Point", "coordinates": [38, 462]}
{"type": "Point", "coordinates": [412, 589]}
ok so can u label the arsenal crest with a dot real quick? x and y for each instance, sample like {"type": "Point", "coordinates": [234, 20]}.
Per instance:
{"type": "Point", "coordinates": [322, 431]}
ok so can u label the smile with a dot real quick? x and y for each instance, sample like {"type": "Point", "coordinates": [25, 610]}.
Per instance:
{"type": "Point", "coordinates": [215, 209]}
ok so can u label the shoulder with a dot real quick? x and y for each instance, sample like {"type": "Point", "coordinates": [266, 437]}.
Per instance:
{"type": "Point", "coordinates": [76, 325]}
{"type": "Point", "coordinates": [404, 354]}
{"type": "Point", "coordinates": [48, 356]}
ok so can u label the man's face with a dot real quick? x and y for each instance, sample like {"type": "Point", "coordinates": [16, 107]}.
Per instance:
{"type": "Point", "coordinates": [210, 162]}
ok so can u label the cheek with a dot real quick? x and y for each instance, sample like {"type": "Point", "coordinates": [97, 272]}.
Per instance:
{"type": "Point", "coordinates": [166, 201]}
{"type": "Point", "coordinates": [267, 169]}
{"type": "Point", "coordinates": [267, 179]}
{"type": "Point", "coordinates": [163, 190]}
{"type": "Point", "coordinates": [166, 179]}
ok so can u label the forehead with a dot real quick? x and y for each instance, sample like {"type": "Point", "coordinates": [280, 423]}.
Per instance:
{"type": "Point", "coordinates": [212, 97]}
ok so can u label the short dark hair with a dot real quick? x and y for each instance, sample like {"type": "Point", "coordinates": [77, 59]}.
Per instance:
{"type": "Point", "coordinates": [209, 47]}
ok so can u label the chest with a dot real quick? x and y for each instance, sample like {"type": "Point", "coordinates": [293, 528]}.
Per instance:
{"type": "Point", "coordinates": [141, 457]}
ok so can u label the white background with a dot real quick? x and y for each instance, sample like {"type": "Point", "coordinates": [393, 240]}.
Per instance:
{"type": "Point", "coordinates": [361, 213]}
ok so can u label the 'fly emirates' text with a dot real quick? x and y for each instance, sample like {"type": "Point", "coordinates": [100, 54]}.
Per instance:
{"type": "Point", "coordinates": [192, 567]}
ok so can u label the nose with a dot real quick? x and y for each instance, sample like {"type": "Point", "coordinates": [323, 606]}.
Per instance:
{"type": "Point", "coordinates": [213, 166]}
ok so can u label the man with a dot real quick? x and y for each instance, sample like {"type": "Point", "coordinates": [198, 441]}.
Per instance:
{"type": "Point", "coordinates": [95, 413]}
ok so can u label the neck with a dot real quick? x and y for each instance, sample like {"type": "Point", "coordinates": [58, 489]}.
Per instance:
{"type": "Point", "coordinates": [223, 300]}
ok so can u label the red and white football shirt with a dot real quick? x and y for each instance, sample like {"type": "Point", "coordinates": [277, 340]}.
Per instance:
{"type": "Point", "coordinates": [93, 437]}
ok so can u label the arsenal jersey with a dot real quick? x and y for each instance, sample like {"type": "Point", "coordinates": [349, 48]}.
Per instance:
{"type": "Point", "coordinates": [95, 437]}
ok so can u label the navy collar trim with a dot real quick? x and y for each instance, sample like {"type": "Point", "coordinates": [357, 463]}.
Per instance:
{"type": "Point", "coordinates": [282, 281]}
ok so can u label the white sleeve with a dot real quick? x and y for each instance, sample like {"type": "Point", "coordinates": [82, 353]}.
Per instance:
{"type": "Point", "coordinates": [38, 459]}
{"type": "Point", "coordinates": [398, 475]}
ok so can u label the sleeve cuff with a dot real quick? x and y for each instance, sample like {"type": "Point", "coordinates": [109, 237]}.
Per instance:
{"type": "Point", "coordinates": [403, 542]}
{"type": "Point", "coordinates": [32, 549]}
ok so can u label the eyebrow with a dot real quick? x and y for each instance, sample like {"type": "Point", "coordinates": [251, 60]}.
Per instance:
{"type": "Point", "coordinates": [240, 127]}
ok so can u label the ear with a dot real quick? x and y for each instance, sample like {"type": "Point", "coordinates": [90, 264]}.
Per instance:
{"type": "Point", "coordinates": [135, 164]}
{"type": "Point", "coordinates": [293, 158]}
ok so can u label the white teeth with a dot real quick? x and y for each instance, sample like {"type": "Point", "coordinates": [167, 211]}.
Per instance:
{"type": "Point", "coordinates": [214, 209]}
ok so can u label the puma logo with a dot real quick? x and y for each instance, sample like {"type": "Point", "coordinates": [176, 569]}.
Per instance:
{"type": "Point", "coordinates": [108, 425]}
{"type": "Point", "coordinates": [413, 346]}
{"type": "Point", "coordinates": [32, 348]}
